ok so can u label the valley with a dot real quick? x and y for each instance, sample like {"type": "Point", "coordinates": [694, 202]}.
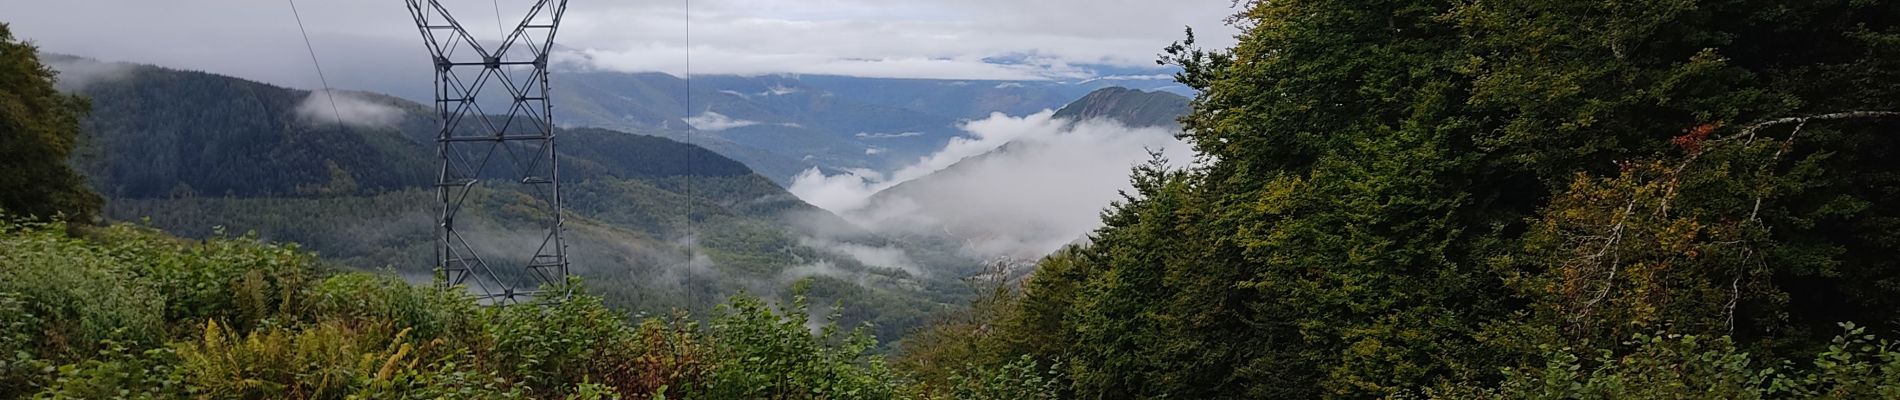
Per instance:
{"type": "Point", "coordinates": [202, 155]}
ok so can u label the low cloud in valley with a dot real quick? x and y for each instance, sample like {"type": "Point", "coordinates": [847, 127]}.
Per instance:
{"type": "Point", "coordinates": [350, 109]}
{"type": "Point", "coordinates": [1014, 187]}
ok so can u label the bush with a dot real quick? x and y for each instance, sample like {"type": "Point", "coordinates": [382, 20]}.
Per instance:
{"type": "Point", "coordinates": [1021, 379]}
{"type": "Point", "coordinates": [762, 354]}
{"type": "Point", "coordinates": [237, 279]}
{"type": "Point", "coordinates": [20, 369]}
{"type": "Point", "coordinates": [1855, 366]}
{"type": "Point", "coordinates": [557, 346]}
{"type": "Point", "coordinates": [428, 312]}
{"type": "Point", "coordinates": [118, 372]}
{"type": "Point", "coordinates": [79, 295]}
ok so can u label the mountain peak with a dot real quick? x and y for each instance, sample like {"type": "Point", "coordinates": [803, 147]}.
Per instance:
{"type": "Point", "coordinates": [1129, 106]}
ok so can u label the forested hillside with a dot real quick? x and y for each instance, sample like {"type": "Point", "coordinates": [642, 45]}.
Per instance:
{"type": "Point", "coordinates": [1495, 199]}
{"type": "Point", "coordinates": [782, 125]}
{"type": "Point", "coordinates": [195, 153]}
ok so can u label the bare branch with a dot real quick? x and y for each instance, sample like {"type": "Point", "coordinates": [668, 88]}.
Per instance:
{"type": "Point", "coordinates": [1749, 132]}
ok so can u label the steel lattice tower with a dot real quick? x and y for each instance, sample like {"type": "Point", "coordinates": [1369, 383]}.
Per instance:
{"type": "Point", "coordinates": [524, 192]}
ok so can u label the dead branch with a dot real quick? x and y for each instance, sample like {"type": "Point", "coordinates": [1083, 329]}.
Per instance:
{"type": "Point", "coordinates": [1749, 132]}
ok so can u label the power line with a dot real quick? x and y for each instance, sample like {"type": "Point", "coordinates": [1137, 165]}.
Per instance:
{"type": "Point", "coordinates": [498, 24]}
{"type": "Point", "coordinates": [327, 92]}
{"type": "Point", "coordinates": [691, 241]}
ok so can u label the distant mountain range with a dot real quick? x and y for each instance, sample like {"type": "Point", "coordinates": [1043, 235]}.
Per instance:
{"type": "Point", "coordinates": [781, 125]}
{"type": "Point", "coordinates": [190, 152]}
{"type": "Point", "coordinates": [193, 152]}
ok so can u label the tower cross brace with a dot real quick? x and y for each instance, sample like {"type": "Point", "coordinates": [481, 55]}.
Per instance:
{"type": "Point", "coordinates": [505, 162]}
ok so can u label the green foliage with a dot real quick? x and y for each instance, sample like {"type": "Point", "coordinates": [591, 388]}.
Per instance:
{"type": "Point", "coordinates": [1677, 366]}
{"type": "Point", "coordinates": [1854, 366]}
{"type": "Point", "coordinates": [1020, 379]}
{"type": "Point", "coordinates": [763, 354]}
{"type": "Point", "coordinates": [315, 362]}
{"type": "Point", "coordinates": [118, 373]}
{"type": "Point", "coordinates": [545, 347]}
{"type": "Point", "coordinates": [370, 297]}
{"type": "Point", "coordinates": [80, 295]}
{"type": "Point", "coordinates": [125, 312]}
{"type": "Point", "coordinates": [20, 368]}
{"type": "Point", "coordinates": [958, 339]}
{"type": "Point", "coordinates": [242, 280]}
{"type": "Point", "coordinates": [1390, 195]}
{"type": "Point", "coordinates": [39, 129]}
{"type": "Point", "coordinates": [1004, 328]}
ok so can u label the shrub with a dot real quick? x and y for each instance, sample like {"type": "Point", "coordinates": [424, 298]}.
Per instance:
{"type": "Point", "coordinates": [427, 312]}
{"type": "Point", "coordinates": [762, 354]}
{"type": "Point", "coordinates": [557, 346]}
{"type": "Point", "coordinates": [120, 373]}
{"type": "Point", "coordinates": [82, 296]}
{"type": "Point", "coordinates": [238, 279]}
{"type": "Point", "coordinates": [1855, 366]}
{"type": "Point", "coordinates": [21, 371]}
{"type": "Point", "coordinates": [327, 360]}
{"type": "Point", "coordinates": [1021, 379]}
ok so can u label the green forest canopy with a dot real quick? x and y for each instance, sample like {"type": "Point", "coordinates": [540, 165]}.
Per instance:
{"type": "Point", "coordinates": [1405, 197]}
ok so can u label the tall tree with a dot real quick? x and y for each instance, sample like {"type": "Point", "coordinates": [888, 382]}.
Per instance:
{"type": "Point", "coordinates": [39, 128]}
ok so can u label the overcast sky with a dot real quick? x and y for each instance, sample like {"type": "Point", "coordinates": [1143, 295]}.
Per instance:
{"type": "Point", "coordinates": [360, 41]}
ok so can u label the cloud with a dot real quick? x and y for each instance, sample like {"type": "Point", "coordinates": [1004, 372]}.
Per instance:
{"type": "Point", "coordinates": [1150, 77]}
{"type": "Point", "coordinates": [1021, 187]}
{"type": "Point", "coordinates": [819, 268]}
{"type": "Point", "coordinates": [712, 121]}
{"type": "Point", "coordinates": [681, 272]}
{"type": "Point", "coordinates": [362, 41]}
{"type": "Point", "coordinates": [867, 135]}
{"type": "Point", "coordinates": [984, 135]}
{"type": "Point", "coordinates": [350, 109]}
{"type": "Point", "coordinates": [77, 73]}
{"type": "Point", "coordinates": [851, 190]}
{"type": "Point", "coordinates": [877, 256]}
{"type": "Point", "coordinates": [777, 90]}
{"type": "Point", "coordinates": [847, 191]}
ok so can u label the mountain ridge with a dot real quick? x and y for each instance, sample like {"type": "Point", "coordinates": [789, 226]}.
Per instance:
{"type": "Point", "coordinates": [189, 151]}
{"type": "Point", "coordinates": [1132, 107]}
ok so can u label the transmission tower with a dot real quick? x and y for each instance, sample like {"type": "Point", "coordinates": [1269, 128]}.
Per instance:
{"type": "Point", "coordinates": [521, 194]}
